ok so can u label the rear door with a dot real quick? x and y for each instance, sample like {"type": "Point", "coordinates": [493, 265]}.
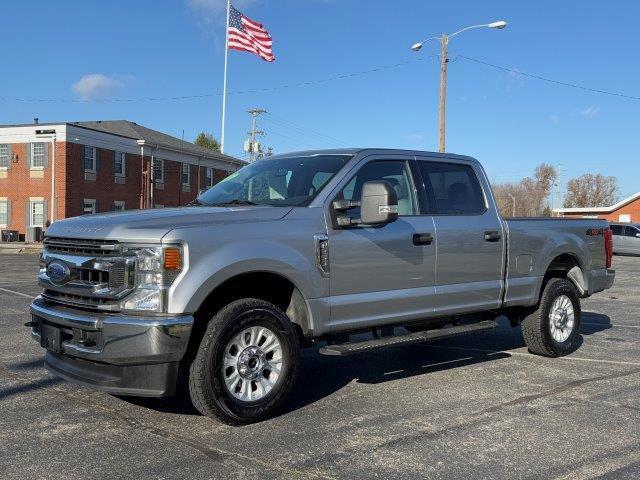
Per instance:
{"type": "Point", "coordinates": [469, 237]}
{"type": "Point", "coordinates": [381, 274]}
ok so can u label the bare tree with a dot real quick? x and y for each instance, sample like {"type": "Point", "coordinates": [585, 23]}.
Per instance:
{"type": "Point", "coordinates": [527, 197]}
{"type": "Point", "coordinates": [591, 190]}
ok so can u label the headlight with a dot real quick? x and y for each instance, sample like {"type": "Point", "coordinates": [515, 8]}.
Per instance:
{"type": "Point", "coordinates": [156, 268]}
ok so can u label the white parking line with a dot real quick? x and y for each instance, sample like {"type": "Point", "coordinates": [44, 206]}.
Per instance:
{"type": "Point", "coordinates": [17, 293]}
{"type": "Point", "coordinates": [511, 352]}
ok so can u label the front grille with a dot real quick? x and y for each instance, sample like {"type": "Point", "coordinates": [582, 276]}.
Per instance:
{"type": "Point", "coordinates": [93, 277]}
{"type": "Point", "coordinates": [75, 246]}
{"type": "Point", "coordinates": [99, 272]}
{"type": "Point", "coordinates": [73, 300]}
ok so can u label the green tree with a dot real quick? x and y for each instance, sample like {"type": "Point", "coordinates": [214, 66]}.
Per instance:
{"type": "Point", "coordinates": [206, 140]}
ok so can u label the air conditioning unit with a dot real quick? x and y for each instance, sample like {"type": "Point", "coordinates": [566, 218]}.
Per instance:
{"type": "Point", "coordinates": [34, 234]}
{"type": "Point", "coordinates": [9, 236]}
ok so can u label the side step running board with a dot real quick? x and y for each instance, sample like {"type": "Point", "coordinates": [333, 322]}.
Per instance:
{"type": "Point", "coordinates": [418, 337]}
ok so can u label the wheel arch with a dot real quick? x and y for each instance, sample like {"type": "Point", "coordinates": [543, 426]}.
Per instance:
{"type": "Point", "coordinates": [273, 287]}
{"type": "Point", "coordinates": [567, 265]}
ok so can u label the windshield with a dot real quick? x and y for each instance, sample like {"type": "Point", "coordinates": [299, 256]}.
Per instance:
{"type": "Point", "coordinates": [283, 181]}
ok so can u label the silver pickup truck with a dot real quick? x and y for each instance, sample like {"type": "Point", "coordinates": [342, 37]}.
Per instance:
{"type": "Point", "coordinates": [302, 249]}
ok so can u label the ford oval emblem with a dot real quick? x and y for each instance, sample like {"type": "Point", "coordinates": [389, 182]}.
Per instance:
{"type": "Point", "coordinates": [58, 272]}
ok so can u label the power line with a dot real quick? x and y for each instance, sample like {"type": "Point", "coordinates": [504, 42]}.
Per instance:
{"type": "Point", "coordinates": [299, 130]}
{"type": "Point", "coordinates": [549, 80]}
{"type": "Point", "coordinates": [324, 80]}
{"type": "Point", "coordinates": [208, 95]}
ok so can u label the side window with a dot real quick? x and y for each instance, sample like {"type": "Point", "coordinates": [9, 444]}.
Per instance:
{"type": "Point", "coordinates": [397, 173]}
{"type": "Point", "coordinates": [158, 170]}
{"type": "Point", "coordinates": [452, 189]}
{"type": "Point", "coordinates": [632, 231]}
{"type": "Point", "coordinates": [4, 155]}
{"type": "Point", "coordinates": [617, 229]}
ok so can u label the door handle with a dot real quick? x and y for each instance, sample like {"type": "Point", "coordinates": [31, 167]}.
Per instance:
{"type": "Point", "coordinates": [492, 236]}
{"type": "Point", "coordinates": [422, 239]}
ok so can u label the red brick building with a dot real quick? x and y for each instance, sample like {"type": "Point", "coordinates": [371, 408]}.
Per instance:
{"type": "Point", "coordinates": [53, 171]}
{"type": "Point", "coordinates": [627, 210]}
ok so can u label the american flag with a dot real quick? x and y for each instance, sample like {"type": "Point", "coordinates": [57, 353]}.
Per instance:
{"type": "Point", "coordinates": [249, 36]}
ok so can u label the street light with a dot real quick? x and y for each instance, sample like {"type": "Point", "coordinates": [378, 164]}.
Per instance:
{"type": "Point", "coordinates": [444, 41]}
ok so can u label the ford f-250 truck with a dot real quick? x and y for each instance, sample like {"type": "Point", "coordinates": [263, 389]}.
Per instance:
{"type": "Point", "coordinates": [302, 248]}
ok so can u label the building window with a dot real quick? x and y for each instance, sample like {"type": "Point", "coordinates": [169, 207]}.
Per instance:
{"type": "Point", "coordinates": [118, 206]}
{"type": "Point", "coordinates": [89, 159]}
{"type": "Point", "coordinates": [119, 164]}
{"type": "Point", "coordinates": [158, 170]}
{"type": "Point", "coordinates": [88, 206]}
{"type": "Point", "coordinates": [209, 176]}
{"type": "Point", "coordinates": [186, 174]}
{"type": "Point", "coordinates": [36, 217]}
{"type": "Point", "coordinates": [4, 213]}
{"type": "Point", "coordinates": [37, 155]}
{"type": "Point", "coordinates": [4, 155]}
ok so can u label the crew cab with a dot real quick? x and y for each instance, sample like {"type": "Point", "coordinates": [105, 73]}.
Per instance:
{"type": "Point", "coordinates": [302, 249]}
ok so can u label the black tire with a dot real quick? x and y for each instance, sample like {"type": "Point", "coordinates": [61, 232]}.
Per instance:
{"type": "Point", "coordinates": [207, 389]}
{"type": "Point", "coordinates": [536, 327]}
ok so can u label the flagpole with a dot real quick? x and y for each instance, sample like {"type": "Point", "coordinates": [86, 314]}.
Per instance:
{"type": "Point", "coordinates": [224, 86]}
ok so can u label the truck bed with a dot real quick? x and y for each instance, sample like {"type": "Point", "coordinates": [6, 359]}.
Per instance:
{"type": "Point", "coordinates": [534, 243]}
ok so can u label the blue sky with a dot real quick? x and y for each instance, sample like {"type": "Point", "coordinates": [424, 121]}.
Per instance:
{"type": "Point", "coordinates": [97, 50]}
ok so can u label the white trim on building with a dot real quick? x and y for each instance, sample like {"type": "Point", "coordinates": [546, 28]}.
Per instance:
{"type": "Point", "coordinates": [84, 136]}
{"type": "Point", "coordinates": [596, 210]}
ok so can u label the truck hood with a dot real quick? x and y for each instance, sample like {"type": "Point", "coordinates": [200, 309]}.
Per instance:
{"type": "Point", "coordinates": [152, 225]}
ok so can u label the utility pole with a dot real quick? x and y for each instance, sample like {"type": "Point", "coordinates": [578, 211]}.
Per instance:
{"type": "Point", "coordinates": [443, 92]}
{"type": "Point", "coordinates": [559, 185]}
{"type": "Point", "coordinates": [444, 42]}
{"type": "Point", "coordinates": [513, 205]}
{"type": "Point", "coordinates": [252, 146]}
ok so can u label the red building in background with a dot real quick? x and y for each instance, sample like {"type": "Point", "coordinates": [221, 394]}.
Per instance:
{"type": "Point", "coordinates": [59, 170]}
{"type": "Point", "coordinates": [627, 210]}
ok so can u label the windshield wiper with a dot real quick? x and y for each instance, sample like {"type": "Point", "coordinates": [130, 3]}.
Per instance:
{"type": "Point", "coordinates": [195, 202]}
{"type": "Point", "coordinates": [234, 202]}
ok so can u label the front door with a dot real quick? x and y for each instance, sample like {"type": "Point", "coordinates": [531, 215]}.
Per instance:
{"type": "Point", "coordinates": [470, 238]}
{"type": "Point", "coordinates": [382, 274]}
{"type": "Point", "coordinates": [631, 239]}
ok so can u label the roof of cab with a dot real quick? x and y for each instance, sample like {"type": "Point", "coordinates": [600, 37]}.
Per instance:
{"type": "Point", "coordinates": [371, 151]}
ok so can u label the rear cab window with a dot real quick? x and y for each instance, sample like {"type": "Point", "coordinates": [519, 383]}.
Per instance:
{"type": "Point", "coordinates": [452, 189]}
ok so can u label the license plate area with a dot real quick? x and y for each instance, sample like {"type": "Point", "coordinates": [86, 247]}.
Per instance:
{"type": "Point", "coordinates": [50, 338]}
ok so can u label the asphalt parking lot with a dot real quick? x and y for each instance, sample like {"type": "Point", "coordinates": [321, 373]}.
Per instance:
{"type": "Point", "coordinates": [470, 407]}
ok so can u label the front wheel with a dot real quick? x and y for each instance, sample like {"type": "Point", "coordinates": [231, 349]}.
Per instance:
{"type": "Point", "coordinates": [246, 364]}
{"type": "Point", "coordinates": [553, 329]}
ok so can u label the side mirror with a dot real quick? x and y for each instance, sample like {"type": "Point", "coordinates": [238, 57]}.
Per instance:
{"type": "Point", "coordinates": [379, 203]}
{"type": "Point", "coordinates": [637, 235]}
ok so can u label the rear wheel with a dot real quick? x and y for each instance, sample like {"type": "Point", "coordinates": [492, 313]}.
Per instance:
{"type": "Point", "coordinates": [246, 364]}
{"type": "Point", "coordinates": [553, 329]}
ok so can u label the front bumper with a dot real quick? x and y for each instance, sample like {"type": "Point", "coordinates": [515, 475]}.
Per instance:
{"type": "Point", "coordinates": [127, 355]}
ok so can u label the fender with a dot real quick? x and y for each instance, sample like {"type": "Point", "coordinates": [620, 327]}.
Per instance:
{"type": "Point", "coordinates": [212, 267]}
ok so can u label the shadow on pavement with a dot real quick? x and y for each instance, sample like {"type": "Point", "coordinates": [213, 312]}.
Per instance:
{"type": "Point", "coordinates": [321, 376]}
{"type": "Point", "coordinates": [28, 386]}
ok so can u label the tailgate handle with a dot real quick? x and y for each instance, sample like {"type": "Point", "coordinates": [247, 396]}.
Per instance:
{"type": "Point", "coordinates": [422, 239]}
{"type": "Point", "coordinates": [492, 236]}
